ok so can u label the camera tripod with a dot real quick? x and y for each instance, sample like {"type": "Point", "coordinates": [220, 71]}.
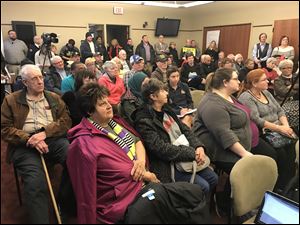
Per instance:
{"type": "Point", "coordinates": [45, 49]}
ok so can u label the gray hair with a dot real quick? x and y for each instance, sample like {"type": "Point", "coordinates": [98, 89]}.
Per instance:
{"type": "Point", "coordinates": [109, 64]}
{"type": "Point", "coordinates": [55, 59]}
{"type": "Point", "coordinates": [27, 69]}
{"type": "Point", "coordinates": [284, 63]}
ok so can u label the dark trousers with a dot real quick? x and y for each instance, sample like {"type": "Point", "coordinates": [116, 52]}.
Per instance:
{"type": "Point", "coordinates": [284, 157]}
{"type": "Point", "coordinates": [29, 166]}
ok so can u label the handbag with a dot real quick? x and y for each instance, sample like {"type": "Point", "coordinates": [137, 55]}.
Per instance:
{"type": "Point", "coordinates": [278, 140]}
{"type": "Point", "coordinates": [189, 167]}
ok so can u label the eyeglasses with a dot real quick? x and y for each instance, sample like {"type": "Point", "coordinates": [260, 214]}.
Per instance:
{"type": "Point", "coordinates": [35, 79]}
{"type": "Point", "coordinates": [284, 68]}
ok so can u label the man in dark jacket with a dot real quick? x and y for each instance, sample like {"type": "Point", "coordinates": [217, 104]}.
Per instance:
{"type": "Point", "coordinates": [68, 51]}
{"type": "Point", "coordinates": [146, 50]}
{"type": "Point", "coordinates": [129, 48]}
{"type": "Point", "coordinates": [88, 48]}
{"type": "Point", "coordinates": [33, 48]}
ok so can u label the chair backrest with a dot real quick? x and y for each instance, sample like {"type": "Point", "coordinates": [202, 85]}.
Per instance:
{"type": "Point", "coordinates": [196, 96]}
{"type": "Point", "coordinates": [250, 178]}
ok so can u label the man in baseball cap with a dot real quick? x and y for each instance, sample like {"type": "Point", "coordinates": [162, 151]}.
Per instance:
{"type": "Point", "coordinates": [137, 64]}
{"type": "Point", "coordinates": [161, 71]}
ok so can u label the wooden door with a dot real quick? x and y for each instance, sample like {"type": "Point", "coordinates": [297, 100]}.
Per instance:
{"type": "Point", "coordinates": [233, 38]}
{"type": "Point", "coordinates": [289, 28]}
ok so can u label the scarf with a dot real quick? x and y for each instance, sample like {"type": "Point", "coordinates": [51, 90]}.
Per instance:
{"type": "Point", "coordinates": [123, 138]}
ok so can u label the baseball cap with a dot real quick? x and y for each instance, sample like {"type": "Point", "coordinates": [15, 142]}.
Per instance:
{"type": "Point", "coordinates": [98, 53]}
{"type": "Point", "coordinates": [161, 58]}
{"type": "Point", "coordinates": [135, 59]}
{"type": "Point", "coordinates": [75, 54]}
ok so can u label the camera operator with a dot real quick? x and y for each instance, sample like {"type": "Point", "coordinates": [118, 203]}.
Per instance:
{"type": "Point", "coordinates": [68, 51]}
{"type": "Point", "coordinates": [43, 56]}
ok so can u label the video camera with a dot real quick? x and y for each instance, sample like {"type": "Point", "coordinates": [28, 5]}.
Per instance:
{"type": "Point", "coordinates": [49, 38]}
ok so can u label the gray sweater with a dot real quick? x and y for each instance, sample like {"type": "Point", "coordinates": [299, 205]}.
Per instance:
{"type": "Point", "coordinates": [261, 112]}
{"type": "Point", "coordinates": [15, 51]}
{"type": "Point", "coordinates": [220, 124]}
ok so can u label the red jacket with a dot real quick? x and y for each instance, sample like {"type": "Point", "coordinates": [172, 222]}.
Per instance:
{"type": "Point", "coordinates": [100, 173]}
{"type": "Point", "coordinates": [116, 89]}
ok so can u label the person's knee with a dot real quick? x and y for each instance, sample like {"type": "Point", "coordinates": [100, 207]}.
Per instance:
{"type": "Point", "coordinates": [35, 184]}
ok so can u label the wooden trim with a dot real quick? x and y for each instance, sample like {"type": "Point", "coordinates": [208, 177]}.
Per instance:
{"type": "Point", "coordinates": [178, 31]}
{"type": "Point", "coordinates": [266, 25]}
{"type": "Point", "coordinates": [227, 25]}
{"type": "Point", "coordinates": [141, 29]}
{"type": "Point", "coordinates": [190, 30]}
{"type": "Point", "coordinates": [9, 24]}
{"type": "Point", "coordinates": [60, 26]}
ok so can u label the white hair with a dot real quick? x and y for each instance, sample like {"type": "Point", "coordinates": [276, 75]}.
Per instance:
{"type": "Point", "coordinates": [285, 62]}
{"type": "Point", "coordinates": [55, 59]}
{"type": "Point", "coordinates": [27, 69]}
{"type": "Point", "coordinates": [109, 64]}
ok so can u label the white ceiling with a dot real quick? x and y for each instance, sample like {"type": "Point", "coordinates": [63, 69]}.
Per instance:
{"type": "Point", "coordinates": [170, 4]}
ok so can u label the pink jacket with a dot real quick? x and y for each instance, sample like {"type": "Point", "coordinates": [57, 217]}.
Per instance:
{"type": "Point", "coordinates": [116, 89]}
{"type": "Point", "coordinates": [100, 173]}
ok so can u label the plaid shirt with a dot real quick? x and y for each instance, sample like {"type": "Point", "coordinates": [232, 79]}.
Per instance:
{"type": "Point", "coordinates": [127, 76]}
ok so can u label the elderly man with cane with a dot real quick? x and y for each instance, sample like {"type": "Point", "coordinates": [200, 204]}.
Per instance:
{"type": "Point", "coordinates": [34, 123]}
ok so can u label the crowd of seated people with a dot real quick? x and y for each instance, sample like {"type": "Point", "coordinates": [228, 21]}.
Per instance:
{"type": "Point", "coordinates": [104, 92]}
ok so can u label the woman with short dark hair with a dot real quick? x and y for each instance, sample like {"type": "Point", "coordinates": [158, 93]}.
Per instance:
{"type": "Point", "coordinates": [160, 127]}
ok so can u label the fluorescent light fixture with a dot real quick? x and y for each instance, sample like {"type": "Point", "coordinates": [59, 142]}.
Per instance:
{"type": "Point", "coordinates": [128, 2]}
{"type": "Point", "coordinates": [161, 4]}
{"type": "Point", "coordinates": [186, 5]}
{"type": "Point", "coordinates": [164, 4]}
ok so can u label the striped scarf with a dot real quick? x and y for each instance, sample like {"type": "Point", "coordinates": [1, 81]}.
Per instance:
{"type": "Point", "coordinates": [123, 138]}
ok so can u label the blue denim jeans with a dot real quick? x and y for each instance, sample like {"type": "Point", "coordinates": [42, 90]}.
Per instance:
{"type": "Point", "coordinates": [206, 178]}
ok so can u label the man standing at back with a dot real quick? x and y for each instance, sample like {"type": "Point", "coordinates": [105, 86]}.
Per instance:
{"type": "Point", "coordinates": [146, 51]}
{"type": "Point", "coordinates": [15, 51]}
{"type": "Point", "coordinates": [35, 122]}
{"type": "Point", "coordinates": [33, 48]}
{"type": "Point", "coordinates": [261, 51]}
{"type": "Point", "coordinates": [88, 48]}
{"type": "Point", "coordinates": [161, 47]}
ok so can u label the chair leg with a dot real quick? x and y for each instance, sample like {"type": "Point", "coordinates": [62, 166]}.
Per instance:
{"type": "Point", "coordinates": [18, 186]}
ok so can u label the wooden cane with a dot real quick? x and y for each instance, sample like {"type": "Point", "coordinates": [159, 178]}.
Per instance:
{"type": "Point", "coordinates": [51, 190]}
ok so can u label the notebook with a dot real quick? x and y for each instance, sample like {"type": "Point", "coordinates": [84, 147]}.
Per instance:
{"type": "Point", "coordinates": [276, 209]}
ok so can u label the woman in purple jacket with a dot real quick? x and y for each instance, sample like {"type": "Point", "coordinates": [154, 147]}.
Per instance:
{"type": "Point", "coordinates": [106, 160]}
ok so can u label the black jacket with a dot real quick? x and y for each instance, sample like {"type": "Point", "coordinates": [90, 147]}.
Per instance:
{"type": "Point", "coordinates": [86, 51]}
{"type": "Point", "coordinates": [158, 144]}
{"type": "Point", "coordinates": [31, 52]}
{"type": "Point", "coordinates": [141, 51]}
{"type": "Point", "coordinates": [129, 51]}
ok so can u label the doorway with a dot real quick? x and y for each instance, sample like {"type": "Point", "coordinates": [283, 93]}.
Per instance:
{"type": "Point", "coordinates": [119, 32]}
{"type": "Point", "coordinates": [98, 30]}
{"type": "Point", "coordinates": [289, 28]}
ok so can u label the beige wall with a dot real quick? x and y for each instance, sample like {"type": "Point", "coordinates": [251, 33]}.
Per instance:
{"type": "Point", "coordinates": [77, 15]}
{"type": "Point", "coordinates": [257, 13]}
